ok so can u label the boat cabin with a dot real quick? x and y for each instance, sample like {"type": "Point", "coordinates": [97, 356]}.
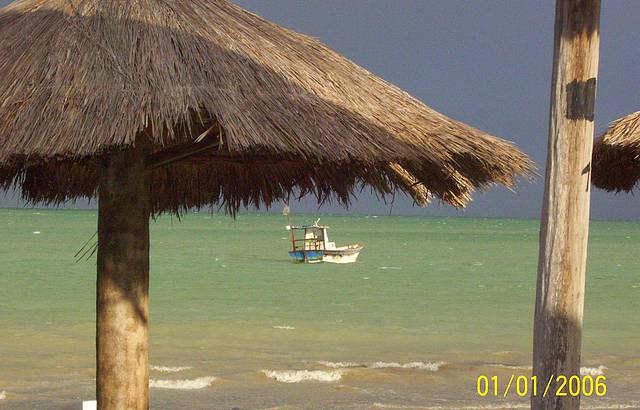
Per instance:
{"type": "Point", "coordinates": [308, 242]}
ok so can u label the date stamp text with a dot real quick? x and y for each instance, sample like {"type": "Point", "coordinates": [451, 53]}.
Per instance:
{"type": "Point", "coordinates": [523, 386]}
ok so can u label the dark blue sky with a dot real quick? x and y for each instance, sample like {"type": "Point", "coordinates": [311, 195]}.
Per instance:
{"type": "Point", "coordinates": [487, 63]}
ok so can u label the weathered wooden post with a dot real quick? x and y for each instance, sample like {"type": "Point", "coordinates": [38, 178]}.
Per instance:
{"type": "Point", "coordinates": [122, 311]}
{"type": "Point", "coordinates": [565, 214]}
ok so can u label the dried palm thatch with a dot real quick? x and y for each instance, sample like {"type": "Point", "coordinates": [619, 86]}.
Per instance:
{"type": "Point", "coordinates": [286, 114]}
{"type": "Point", "coordinates": [616, 155]}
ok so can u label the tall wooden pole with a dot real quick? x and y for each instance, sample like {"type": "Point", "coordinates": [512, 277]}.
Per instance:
{"type": "Point", "coordinates": [565, 215]}
{"type": "Point", "coordinates": [122, 311]}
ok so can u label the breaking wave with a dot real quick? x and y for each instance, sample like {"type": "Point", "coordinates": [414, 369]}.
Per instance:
{"type": "Point", "coordinates": [284, 327]}
{"type": "Point", "coordinates": [431, 366]}
{"type": "Point", "coordinates": [593, 371]}
{"type": "Point", "coordinates": [341, 365]}
{"type": "Point", "coordinates": [169, 369]}
{"type": "Point", "coordinates": [187, 384]}
{"type": "Point", "coordinates": [297, 376]}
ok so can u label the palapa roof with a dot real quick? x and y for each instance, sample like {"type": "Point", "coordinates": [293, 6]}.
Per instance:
{"type": "Point", "coordinates": [280, 111]}
{"type": "Point", "coordinates": [616, 155]}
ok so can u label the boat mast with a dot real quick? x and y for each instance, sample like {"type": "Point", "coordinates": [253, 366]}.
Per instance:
{"type": "Point", "coordinates": [286, 211]}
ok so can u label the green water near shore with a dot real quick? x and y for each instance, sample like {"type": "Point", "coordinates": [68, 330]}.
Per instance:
{"type": "Point", "coordinates": [226, 302]}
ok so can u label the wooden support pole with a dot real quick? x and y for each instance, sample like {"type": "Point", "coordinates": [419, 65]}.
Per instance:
{"type": "Point", "coordinates": [565, 215]}
{"type": "Point", "coordinates": [122, 310]}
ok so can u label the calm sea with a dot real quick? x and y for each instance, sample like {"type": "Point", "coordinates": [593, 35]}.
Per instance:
{"type": "Point", "coordinates": [432, 304]}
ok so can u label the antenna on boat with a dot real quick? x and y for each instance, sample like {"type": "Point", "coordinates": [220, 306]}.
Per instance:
{"type": "Point", "coordinates": [317, 220]}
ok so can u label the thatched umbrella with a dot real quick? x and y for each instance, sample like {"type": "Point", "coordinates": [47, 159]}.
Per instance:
{"type": "Point", "coordinates": [155, 106]}
{"type": "Point", "coordinates": [616, 155]}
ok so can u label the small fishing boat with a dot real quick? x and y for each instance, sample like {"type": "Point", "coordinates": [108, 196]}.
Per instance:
{"type": "Point", "coordinates": [310, 244]}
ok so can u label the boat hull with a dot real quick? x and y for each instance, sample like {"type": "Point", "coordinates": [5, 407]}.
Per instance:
{"type": "Point", "coordinates": [307, 256]}
{"type": "Point", "coordinates": [345, 254]}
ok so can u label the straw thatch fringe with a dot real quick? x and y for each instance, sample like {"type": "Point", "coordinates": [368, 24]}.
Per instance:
{"type": "Point", "coordinates": [96, 75]}
{"type": "Point", "coordinates": [616, 155]}
{"type": "Point", "coordinates": [230, 181]}
{"type": "Point", "coordinates": [420, 194]}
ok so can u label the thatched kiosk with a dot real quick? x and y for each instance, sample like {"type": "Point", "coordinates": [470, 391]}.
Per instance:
{"type": "Point", "coordinates": [161, 106]}
{"type": "Point", "coordinates": [616, 155]}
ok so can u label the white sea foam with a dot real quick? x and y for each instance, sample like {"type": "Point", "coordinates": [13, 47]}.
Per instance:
{"type": "Point", "coordinates": [187, 384]}
{"type": "Point", "coordinates": [431, 366]}
{"type": "Point", "coordinates": [389, 267]}
{"type": "Point", "coordinates": [592, 371]}
{"type": "Point", "coordinates": [284, 327]}
{"type": "Point", "coordinates": [169, 369]}
{"type": "Point", "coordinates": [341, 365]}
{"type": "Point", "coordinates": [3, 395]}
{"type": "Point", "coordinates": [297, 376]}
{"type": "Point", "coordinates": [36, 232]}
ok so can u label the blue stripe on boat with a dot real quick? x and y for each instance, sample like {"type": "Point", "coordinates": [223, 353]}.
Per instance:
{"type": "Point", "coordinates": [311, 255]}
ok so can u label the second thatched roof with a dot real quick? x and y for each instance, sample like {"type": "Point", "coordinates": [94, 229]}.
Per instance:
{"type": "Point", "coordinates": [616, 155]}
{"type": "Point", "coordinates": [287, 112]}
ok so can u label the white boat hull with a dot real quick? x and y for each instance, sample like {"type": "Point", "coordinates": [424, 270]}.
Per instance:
{"type": "Point", "coordinates": [343, 254]}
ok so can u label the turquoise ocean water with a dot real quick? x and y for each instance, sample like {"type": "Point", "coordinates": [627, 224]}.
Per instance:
{"type": "Point", "coordinates": [431, 304]}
